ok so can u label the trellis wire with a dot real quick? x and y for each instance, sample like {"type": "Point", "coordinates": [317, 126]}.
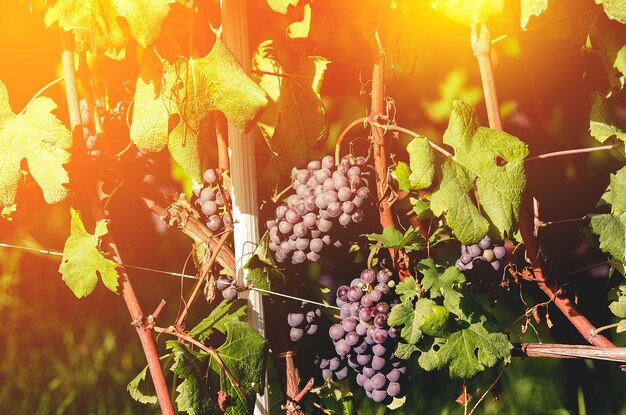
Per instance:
{"type": "Point", "coordinates": [175, 274]}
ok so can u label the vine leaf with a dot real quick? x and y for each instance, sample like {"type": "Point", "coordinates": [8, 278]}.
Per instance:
{"type": "Point", "coordinates": [468, 351]}
{"type": "Point", "coordinates": [83, 261]}
{"type": "Point", "coordinates": [401, 173]}
{"type": "Point", "coordinates": [607, 39]}
{"type": "Point", "coordinates": [293, 124]}
{"type": "Point", "coordinates": [531, 8]}
{"type": "Point", "coordinates": [141, 387]}
{"type": "Point", "coordinates": [614, 9]}
{"type": "Point", "coordinates": [148, 129]}
{"type": "Point", "coordinates": [224, 312]}
{"type": "Point", "coordinates": [610, 228]}
{"type": "Point", "coordinates": [244, 355]}
{"type": "Point", "coordinates": [144, 17]}
{"type": "Point", "coordinates": [281, 6]}
{"type": "Point", "coordinates": [602, 121]}
{"type": "Point", "coordinates": [422, 163]}
{"type": "Point", "coordinates": [94, 23]}
{"type": "Point", "coordinates": [392, 238]}
{"type": "Point", "coordinates": [193, 89]}
{"type": "Point", "coordinates": [618, 307]}
{"type": "Point", "coordinates": [468, 12]}
{"type": "Point", "coordinates": [263, 271]}
{"type": "Point", "coordinates": [42, 140]}
{"type": "Point", "coordinates": [487, 162]}
{"type": "Point", "coordinates": [407, 289]}
{"type": "Point", "coordinates": [446, 285]}
{"type": "Point", "coordinates": [192, 367]}
{"type": "Point", "coordinates": [424, 317]}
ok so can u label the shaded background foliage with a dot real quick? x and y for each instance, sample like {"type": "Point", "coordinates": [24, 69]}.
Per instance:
{"type": "Point", "coordinates": [61, 355]}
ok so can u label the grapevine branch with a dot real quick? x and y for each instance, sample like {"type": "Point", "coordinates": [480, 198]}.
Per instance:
{"type": "Point", "coordinates": [128, 294]}
{"type": "Point", "coordinates": [481, 46]}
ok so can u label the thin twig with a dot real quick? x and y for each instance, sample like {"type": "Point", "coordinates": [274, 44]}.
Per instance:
{"type": "Point", "coordinates": [601, 329]}
{"type": "Point", "coordinates": [573, 151]}
{"type": "Point", "coordinates": [482, 397]}
{"type": "Point", "coordinates": [414, 134]}
{"type": "Point", "coordinates": [38, 93]}
{"type": "Point", "coordinates": [362, 120]}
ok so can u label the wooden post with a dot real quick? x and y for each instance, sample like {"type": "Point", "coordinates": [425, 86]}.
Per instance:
{"type": "Point", "coordinates": [241, 151]}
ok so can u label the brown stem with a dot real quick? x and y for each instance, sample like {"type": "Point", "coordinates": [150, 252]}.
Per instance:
{"type": "Point", "coordinates": [482, 50]}
{"type": "Point", "coordinates": [570, 351]}
{"type": "Point", "coordinates": [378, 113]}
{"type": "Point", "coordinates": [191, 226]}
{"type": "Point", "coordinates": [206, 267]}
{"type": "Point", "coordinates": [441, 150]}
{"type": "Point", "coordinates": [108, 243]}
{"type": "Point", "coordinates": [221, 133]}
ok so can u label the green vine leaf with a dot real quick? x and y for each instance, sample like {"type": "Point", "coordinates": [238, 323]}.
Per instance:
{"type": "Point", "coordinates": [472, 12]}
{"type": "Point", "coordinates": [141, 387]}
{"type": "Point", "coordinates": [468, 351]}
{"type": "Point", "coordinates": [392, 238]}
{"type": "Point", "coordinates": [602, 121]}
{"type": "Point", "coordinates": [618, 307]}
{"type": "Point", "coordinates": [610, 228]}
{"type": "Point", "coordinates": [224, 312]}
{"type": "Point", "coordinates": [294, 123]}
{"type": "Point", "coordinates": [401, 173]}
{"type": "Point", "coordinates": [607, 39]}
{"type": "Point", "coordinates": [489, 163]}
{"type": "Point", "coordinates": [614, 9]}
{"type": "Point", "coordinates": [531, 8]}
{"type": "Point", "coordinates": [144, 17]}
{"type": "Point", "coordinates": [446, 285]}
{"type": "Point", "coordinates": [424, 316]}
{"type": "Point", "coordinates": [263, 271]}
{"type": "Point", "coordinates": [192, 367]}
{"type": "Point", "coordinates": [42, 140]}
{"type": "Point", "coordinates": [94, 24]}
{"type": "Point", "coordinates": [407, 289]}
{"type": "Point", "coordinates": [83, 261]}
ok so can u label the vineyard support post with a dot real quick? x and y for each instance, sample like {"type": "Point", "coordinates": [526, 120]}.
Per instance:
{"type": "Point", "coordinates": [245, 205]}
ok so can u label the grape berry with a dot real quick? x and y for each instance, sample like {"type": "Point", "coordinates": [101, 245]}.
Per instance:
{"type": "Point", "coordinates": [227, 286]}
{"type": "Point", "coordinates": [303, 321]}
{"type": "Point", "coordinates": [486, 251]}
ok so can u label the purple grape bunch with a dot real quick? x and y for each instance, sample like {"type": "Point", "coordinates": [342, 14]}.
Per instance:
{"type": "Point", "coordinates": [365, 339]}
{"type": "Point", "coordinates": [335, 367]}
{"type": "Point", "coordinates": [486, 252]}
{"type": "Point", "coordinates": [304, 320]}
{"type": "Point", "coordinates": [209, 201]}
{"type": "Point", "coordinates": [227, 286]}
{"type": "Point", "coordinates": [113, 121]}
{"type": "Point", "coordinates": [328, 197]}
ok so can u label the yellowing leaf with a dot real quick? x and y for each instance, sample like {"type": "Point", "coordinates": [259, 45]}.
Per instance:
{"type": "Point", "coordinates": [301, 29]}
{"type": "Point", "coordinates": [468, 12]}
{"type": "Point", "coordinates": [144, 18]}
{"type": "Point", "coordinates": [148, 129]}
{"type": "Point", "coordinates": [83, 261]}
{"type": "Point", "coordinates": [192, 89]}
{"type": "Point", "coordinates": [93, 22]}
{"type": "Point", "coordinates": [281, 6]}
{"type": "Point", "coordinates": [42, 140]}
{"type": "Point", "coordinates": [294, 122]}
{"type": "Point", "coordinates": [615, 9]}
{"type": "Point", "coordinates": [531, 8]}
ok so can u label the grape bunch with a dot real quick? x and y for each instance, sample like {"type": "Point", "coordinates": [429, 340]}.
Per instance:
{"type": "Point", "coordinates": [335, 367]}
{"type": "Point", "coordinates": [484, 252]}
{"type": "Point", "coordinates": [114, 123]}
{"type": "Point", "coordinates": [304, 320]}
{"type": "Point", "coordinates": [227, 286]}
{"type": "Point", "coordinates": [327, 197]}
{"type": "Point", "coordinates": [365, 339]}
{"type": "Point", "coordinates": [209, 200]}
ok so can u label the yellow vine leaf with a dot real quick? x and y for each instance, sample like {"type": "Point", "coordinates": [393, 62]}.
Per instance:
{"type": "Point", "coordinates": [39, 138]}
